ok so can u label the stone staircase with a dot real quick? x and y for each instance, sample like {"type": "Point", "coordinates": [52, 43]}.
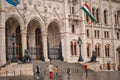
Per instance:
{"type": "Point", "coordinates": [75, 67]}
{"type": "Point", "coordinates": [14, 69]}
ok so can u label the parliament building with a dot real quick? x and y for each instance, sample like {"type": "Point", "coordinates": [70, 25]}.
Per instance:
{"type": "Point", "coordinates": [61, 30]}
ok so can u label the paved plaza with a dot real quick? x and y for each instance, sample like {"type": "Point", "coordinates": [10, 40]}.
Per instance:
{"type": "Point", "coordinates": [76, 76]}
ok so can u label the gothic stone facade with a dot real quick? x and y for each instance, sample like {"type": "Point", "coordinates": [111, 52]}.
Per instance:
{"type": "Point", "coordinates": [50, 29]}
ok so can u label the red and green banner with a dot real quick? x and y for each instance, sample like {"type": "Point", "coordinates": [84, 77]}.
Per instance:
{"type": "Point", "coordinates": [86, 9]}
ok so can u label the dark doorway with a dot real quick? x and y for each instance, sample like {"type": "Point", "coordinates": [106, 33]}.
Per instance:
{"type": "Point", "coordinates": [39, 45]}
{"type": "Point", "coordinates": [108, 66]}
{"type": "Point", "coordinates": [18, 44]}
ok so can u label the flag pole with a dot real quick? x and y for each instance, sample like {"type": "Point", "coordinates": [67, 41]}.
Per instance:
{"type": "Point", "coordinates": [77, 10]}
{"type": "Point", "coordinates": [80, 8]}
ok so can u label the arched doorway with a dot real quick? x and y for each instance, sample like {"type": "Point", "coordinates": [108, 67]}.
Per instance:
{"type": "Point", "coordinates": [12, 26]}
{"type": "Point", "coordinates": [34, 40]}
{"type": "Point", "coordinates": [54, 44]}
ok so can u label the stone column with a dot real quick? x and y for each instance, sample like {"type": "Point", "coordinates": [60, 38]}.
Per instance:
{"type": "Point", "coordinates": [45, 50]}
{"type": "Point", "coordinates": [67, 41]}
{"type": "Point", "coordinates": [2, 34]}
{"type": "Point", "coordinates": [24, 40]}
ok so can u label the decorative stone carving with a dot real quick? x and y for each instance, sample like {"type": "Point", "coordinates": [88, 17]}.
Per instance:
{"type": "Point", "coordinates": [45, 9]}
{"type": "Point", "coordinates": [39, 3]}
{"type": "Point", "coordinates": [49, 5]}
{"type": "Point", "coordinates": [30, 2]}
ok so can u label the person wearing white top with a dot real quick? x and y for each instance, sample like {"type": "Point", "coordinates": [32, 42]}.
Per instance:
{"type": "Point", "coordinates": [51, 70]}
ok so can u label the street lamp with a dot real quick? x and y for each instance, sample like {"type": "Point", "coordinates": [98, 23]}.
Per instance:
{"type": "Point", "coordinates": [80, 43]}
{"type": "Point", "coordinates": [13, 40]}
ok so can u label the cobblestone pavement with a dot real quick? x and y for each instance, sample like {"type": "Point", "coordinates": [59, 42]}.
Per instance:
{"type": "Point", "coordinates": [75, 76]}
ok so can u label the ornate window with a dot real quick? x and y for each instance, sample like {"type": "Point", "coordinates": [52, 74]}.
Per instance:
{"type": "Point", "coordinates": [73, 48]}
{"type": "Point", "coordinates": [105, 17]}
{"type": "Point", "coordinates": [107, 50]}
{"type": "Point", "coordinates": [88, 50]}
{"type": "Point", "coordinates": [73, 29]}
{"type": "Point", "coordinates": [115, 17]}
{"type": "Point", "coordinates": [97, 33]}
{"type": "Point", "coordinates": [73, 10]}
{"type": "Point", "coordinates": [97, 15]}
{"type": "Point", "coordinates": [106, 34]}
{"type": "Point", "coordinates": [88, 33]}
{"type": "Point", "coordinates": [118, 35]}
{"type": "Point", "coordinates": [93, 11]}
{"type": "Point", "coordinates": [97, 49]}
{"type": "Point", "coordinates": [87, 18]}
{"type": "Point", "coordinates": [118, 17]}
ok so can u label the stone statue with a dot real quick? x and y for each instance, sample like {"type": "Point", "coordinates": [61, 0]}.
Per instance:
{"type": "Point", "coordinates": [26, 56]}
{"type": "Point", "coordinates": [93, 58]}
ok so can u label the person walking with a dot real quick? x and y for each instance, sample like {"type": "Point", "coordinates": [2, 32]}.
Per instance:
{"type": "Point", "coordinates": [86, 69]}
{"type": "Point", "coordinates": [68, 72]}
{"type": "Point", "coordinates": [56, 70]}
{"type": "Point", "coordinates": [51, 70]}
{"type": "Point", "coordinates": [37, 72]}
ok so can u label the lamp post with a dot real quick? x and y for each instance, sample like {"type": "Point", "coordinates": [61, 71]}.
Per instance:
{"type": "Point", "coordinates": [13, 40]}
{"type": "Point", "coordinates": [80, 43]}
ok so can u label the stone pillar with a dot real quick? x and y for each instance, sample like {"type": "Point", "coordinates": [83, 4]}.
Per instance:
{"type": "Point", "coordinates": [24, 40]}
{"type": "Point", "coordinates": [45, 50]}
{"type": "Point", "coordinates": [2, 34]}
{"type": "Point", "coordinates": [62, 43]}
{"type": "Point", "coordinates": [67, 42]}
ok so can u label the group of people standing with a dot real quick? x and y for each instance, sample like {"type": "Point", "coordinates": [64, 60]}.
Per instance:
{"type": "Point", "coordinates": [53, 69]}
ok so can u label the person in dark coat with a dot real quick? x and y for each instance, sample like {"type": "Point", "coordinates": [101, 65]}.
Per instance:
{"type": "Point", "coordinates": [37, 72]}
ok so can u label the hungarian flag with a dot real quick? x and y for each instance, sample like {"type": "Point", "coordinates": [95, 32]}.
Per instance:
{"type": "Point", "coordinates": [13, 2]}
{"type": "Point", "coordinates": [86, 9]}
